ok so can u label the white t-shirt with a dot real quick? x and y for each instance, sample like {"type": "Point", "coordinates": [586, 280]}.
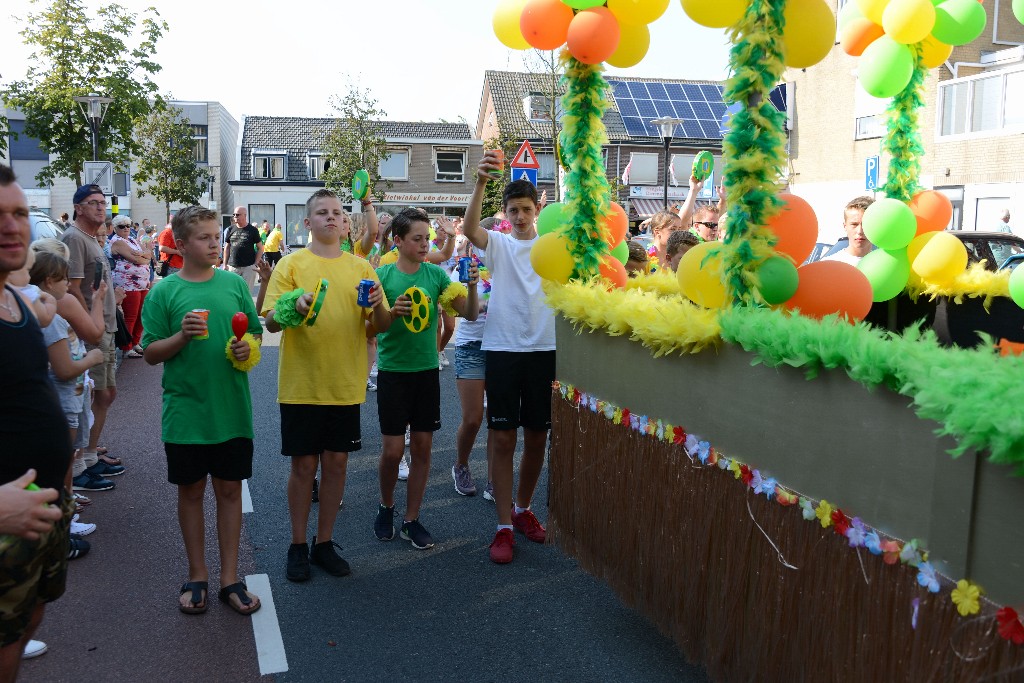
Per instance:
{"type": "Point", "coordinates": [518, 317]}
{"type": "Point", "coordinates": [845, 256]}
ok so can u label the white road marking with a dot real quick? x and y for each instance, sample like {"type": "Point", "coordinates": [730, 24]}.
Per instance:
{"type": "Point", "coordinates": [246, 497]}
{"type": "Point", "coordinates": [265, 628]}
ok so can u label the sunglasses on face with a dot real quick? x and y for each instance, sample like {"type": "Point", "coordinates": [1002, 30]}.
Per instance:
{"type": "Point", "coordinates": [707, 224]}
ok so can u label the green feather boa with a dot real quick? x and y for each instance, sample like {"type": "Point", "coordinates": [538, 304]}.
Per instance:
{"type": "Point", "coordinates": [903, 137]}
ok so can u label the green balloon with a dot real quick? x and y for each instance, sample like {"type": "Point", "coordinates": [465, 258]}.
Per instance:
{"type": "Point", "coordinates": [887, 271]}
{"type": "Point", "coordinates": [886, 67]}
{"type": "Point", "coordinates": [583, 4]}
{"type": "Point", "coordinates": [621, 252]}
{"type": "Point", "coordinates": [550, 218]}
{"type": "Point", "coordinates": [958, 22]}
{"type": "Point", "coordinates": [778, 278]}
{"type": "Point", "coordinates": [889, 224]}
{"type": "Point", "coordinates": [1018, 10]}
{"type": "Point", "coordinates": [1017, 286]}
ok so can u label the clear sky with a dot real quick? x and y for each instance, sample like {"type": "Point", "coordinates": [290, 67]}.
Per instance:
{"type": "Point", "coordinates": [423, 59]}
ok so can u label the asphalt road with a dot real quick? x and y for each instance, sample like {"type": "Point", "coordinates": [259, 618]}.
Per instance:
{"type": "Point", "coordinates": [441, 614]}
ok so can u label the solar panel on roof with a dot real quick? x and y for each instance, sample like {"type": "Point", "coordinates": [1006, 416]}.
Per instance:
{"type": "Point", "coordinates": [698, 104]}
{"type": "Point", "coordinates": [638, 90]}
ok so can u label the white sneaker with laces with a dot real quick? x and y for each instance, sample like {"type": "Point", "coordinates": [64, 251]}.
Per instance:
{"type": "Point", "coordinates": [33, 648]}
{"type": "Point", "coordinates": [370, 386]}
{"type": "Point", "coordinates": [82, 528]}
{"type": "Point", "coordinates": [442, 360]}
{"type": "Point", "coordinates": [403, 469]}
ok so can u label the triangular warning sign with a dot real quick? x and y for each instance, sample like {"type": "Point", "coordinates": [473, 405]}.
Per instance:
{"type": "Point", "coordinates": [525, 158]}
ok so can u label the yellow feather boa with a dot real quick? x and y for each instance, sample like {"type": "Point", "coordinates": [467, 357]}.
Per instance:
{"type": "Point", "coordinates": [975, 282]}
{"type": "Point", "coordinates": [451, 293]}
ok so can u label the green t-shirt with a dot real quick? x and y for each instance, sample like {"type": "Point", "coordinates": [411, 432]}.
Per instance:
{"type": "Point", "coordinates": [400, 349]}
{"type": "Point", "coordinates": [206, 401]}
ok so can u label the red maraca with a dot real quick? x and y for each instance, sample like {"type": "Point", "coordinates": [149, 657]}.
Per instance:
{"type": "Point", "coordinates": [239, 325]}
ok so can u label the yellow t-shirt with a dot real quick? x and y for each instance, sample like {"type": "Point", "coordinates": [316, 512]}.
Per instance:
{"type": "Point", "coordinates": [273, 243]}
{"type": "Point", "coordinates": [324, 364]}
{"type": "Point", "coordinates": [390, 257]}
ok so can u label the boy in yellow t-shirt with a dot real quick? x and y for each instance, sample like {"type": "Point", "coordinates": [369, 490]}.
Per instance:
{"type": "Point", "coordinates": [321, 375]}
{"type": "Point", "coordinates": [272, 245]}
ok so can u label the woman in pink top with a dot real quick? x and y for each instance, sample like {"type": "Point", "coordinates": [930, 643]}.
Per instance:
{"type": "Point", "coordinates": [131, 273]}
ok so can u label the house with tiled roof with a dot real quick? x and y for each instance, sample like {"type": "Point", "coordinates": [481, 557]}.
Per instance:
{"type": "Point", "coordinates": [518, 105]}
{"type": "Point", "coordinates": [280, 162]}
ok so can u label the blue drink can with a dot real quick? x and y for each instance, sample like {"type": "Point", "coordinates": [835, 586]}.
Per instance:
{"type": "Point", "coordinates": [363, 298]}
{"type": "Point", "coordinates": [464, 264]}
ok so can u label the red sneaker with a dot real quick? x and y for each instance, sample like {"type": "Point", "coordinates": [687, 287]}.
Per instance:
{"type": "Point", "coordinates": [526, 523]}
{"type": "Point", "coordinates": [502, 546]}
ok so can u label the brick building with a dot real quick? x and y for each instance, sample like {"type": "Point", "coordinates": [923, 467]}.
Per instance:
{"type": "Point", "coordinates": [971, 128]}
{"type": "Point", "coordinates": [280, 161]}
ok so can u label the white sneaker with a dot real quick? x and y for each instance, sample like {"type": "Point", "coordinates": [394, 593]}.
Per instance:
{"type": "Point", "coordinates": [403, 469]}
{"type": "Point", "coordinates": [33, 648]}
{"type": "Point", "coordinates": [82, 528]}
{"type": "Point", "coordinates": [442, 360]}
{"type": "Point", "coordinates": [373, 370]}
{"type": "Point", "coordinates": [370, 386]}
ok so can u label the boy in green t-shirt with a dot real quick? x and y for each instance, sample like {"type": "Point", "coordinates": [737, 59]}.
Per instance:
{"type": "Point", "coordinates": [321, 379]}
{"type": "Point", "coordinates": [408, 387]}
{"type": "Point", "coordinates": [207, 409]}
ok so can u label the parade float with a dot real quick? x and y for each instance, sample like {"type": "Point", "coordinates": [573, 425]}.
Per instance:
{"type": "Point", "coordinates": [788, 492]}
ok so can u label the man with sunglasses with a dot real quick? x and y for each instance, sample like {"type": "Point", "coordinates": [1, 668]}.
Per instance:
{"type": "Point", "coordinates": [87, 266]}
{"type": "Point", "coordinates": [705, 223]}
{"type": "Point", "coordinates": [243, 247]}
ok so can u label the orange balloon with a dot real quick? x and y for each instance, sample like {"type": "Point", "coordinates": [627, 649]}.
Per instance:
{"type": "Point", "coordinates": [796, 226]}
{"type": "Point", "coordinates": [545, 23]}
{"type": "Point", "coordinates": [858, 34]}
{"type": "Point", "coordinates": [613, 271]}
{"type": "Point", "coordinates": [828, 287]}
{"type": "Point", "coordinates": [933, 210]}
{"type": "Point", "coordinates": [593, 35]}
{"type": "Point", "coordinates": [614, 225]}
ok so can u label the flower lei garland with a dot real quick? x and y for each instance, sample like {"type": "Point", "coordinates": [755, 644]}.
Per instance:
{"type": "Point", "coordinates": [966, 595]}
{"type": "Point", "coordinates": [254, 353]}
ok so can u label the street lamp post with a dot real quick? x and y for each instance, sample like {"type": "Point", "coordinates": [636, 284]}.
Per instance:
{"type": "Point", "coordinates": [97, 109]}
{"type": "Point", "coordinates": [666, 124]}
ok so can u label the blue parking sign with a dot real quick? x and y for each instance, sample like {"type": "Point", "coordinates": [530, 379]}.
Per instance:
{"type": "Point", "coordinates": [871, 173]}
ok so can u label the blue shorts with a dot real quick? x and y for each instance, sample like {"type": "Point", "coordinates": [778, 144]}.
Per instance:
{"type": "Point", "coordinates": [470, 361]}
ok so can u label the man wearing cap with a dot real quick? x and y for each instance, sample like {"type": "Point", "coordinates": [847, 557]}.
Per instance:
{"type": "Point", "coordinates": [242, 247]}
{"type": "Point", "coordinates": [86, 265]}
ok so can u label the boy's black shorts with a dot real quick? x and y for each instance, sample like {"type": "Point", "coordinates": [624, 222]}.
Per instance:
{"type": "Point", "coordinates": [312, 429]}
{"type": "Point", "coordinates": [518, 385]}
{"type": "Point", "coordinates": [408, 398]}
{"type": "Point", "coordinates": [188, 463]}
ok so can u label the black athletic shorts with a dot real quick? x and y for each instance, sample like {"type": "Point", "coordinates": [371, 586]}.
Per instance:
{"type": "Point", "coordinates": [312, 429]}
{"type": "Point", "coordinates": [408, 398]}
{"type": "Point", "coordinates": [188, 463]}
{"type": "Point", "coordinates": [518, 386]}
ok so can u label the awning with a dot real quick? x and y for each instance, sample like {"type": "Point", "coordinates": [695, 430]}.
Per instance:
{"type": "Point", "coordinates": [645, 208]}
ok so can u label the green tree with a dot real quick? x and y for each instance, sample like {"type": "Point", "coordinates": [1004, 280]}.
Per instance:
{"type": "Point", "coordinates": [80, 50]}
{"type": "Point", "coordinates": [166, 164]}
{"type": "Point", "coordinates": [355, 141]}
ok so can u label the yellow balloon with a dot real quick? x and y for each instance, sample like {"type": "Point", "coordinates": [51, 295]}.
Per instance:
{"type": "Point", "coordinates": [506, 24]}
{"type": "Point", "coordinates": [908, 21]}
{"type": "Point", "coordinates": [550, 257]}
{"type": "Point", "coordinates": [637, 12]}
{"type": "Point", "coordinates": [934, 52]}
{"type": "Point", "coordinates": [633, 44]}
{"type": "Point", "coordinates": [809, 33]}
{"type": "Point", "coordinates": [873, 9]}
{"type": "Point", "coordinates": [700, 280]}
{"type": "Point", "coordinates": [715, 13]}
{"type": "Point", "coordinates": [937, 257]}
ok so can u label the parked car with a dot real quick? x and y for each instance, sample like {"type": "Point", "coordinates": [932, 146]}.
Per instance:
{"type": "Point", "coordinates": [43, 225]}
{"type": "Point", "coordinates": [995, 248]}
{"type": "Point", "coordinates": [643, 240]}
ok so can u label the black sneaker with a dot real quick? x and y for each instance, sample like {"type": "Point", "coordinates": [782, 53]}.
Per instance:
{"type": "Point", "coordinates": [79, 547]}
{"type": "Point", "coordinates": [298, 562]}
{"type": "Point", "coordinates": [102, 470]}
{"type": "Point", "coordinates": [384, 525]}
{"type": "Point", "coordinates": [323, 556]}
{"type": "Point", "coordinates": [415, 533]}
{"type": "Point", "coordinates": [316, 490]}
